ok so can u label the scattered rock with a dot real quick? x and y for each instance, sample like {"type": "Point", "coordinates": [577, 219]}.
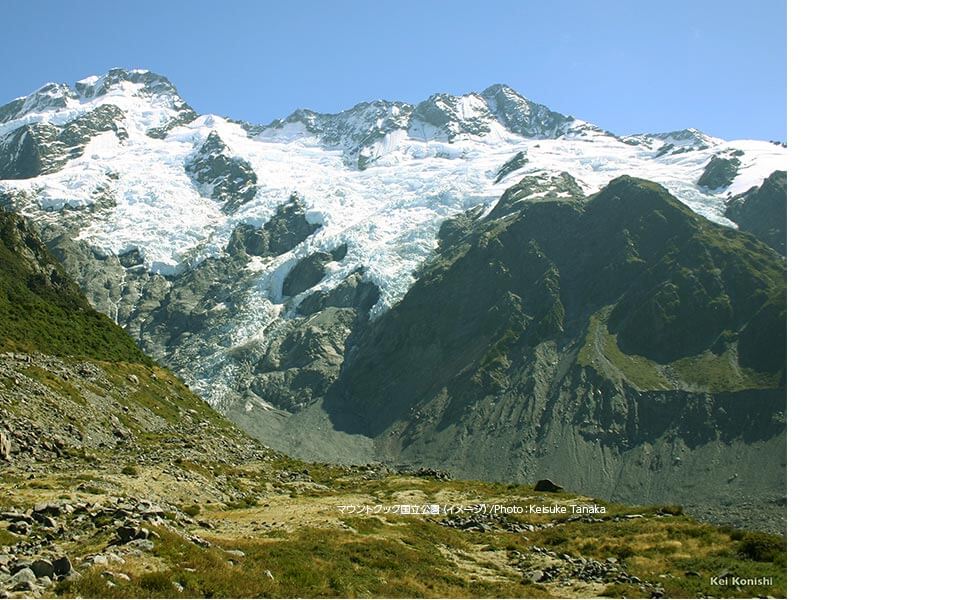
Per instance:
{"type": "Point", "coordinates": [19, 527]}
{"type": "Point", "coordinates": [19, 566]}
{"type": "Point", "coordinates": [432, 473]}
{"type": "Point", "coordinates": [128, 533]}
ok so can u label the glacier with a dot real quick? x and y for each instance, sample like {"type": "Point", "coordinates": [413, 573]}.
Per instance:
{"type": "Point", "coordinates": [380, 177]}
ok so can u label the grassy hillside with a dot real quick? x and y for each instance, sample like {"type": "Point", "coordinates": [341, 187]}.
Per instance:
{"type": "Point", "coordinates": [217, 515]}
{"type": "Point", "coordinates": [42, 310]}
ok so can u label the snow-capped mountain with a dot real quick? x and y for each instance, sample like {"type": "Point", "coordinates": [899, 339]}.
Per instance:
{"type": "Point", "coordinates": [143, 199]}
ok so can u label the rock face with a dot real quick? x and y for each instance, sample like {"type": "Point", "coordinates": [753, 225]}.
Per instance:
{"type": "Point", "coordinates": [762, 211]}
{"type": "Point", "coordinates": [512, 165]}
{"type": "Point", "coordinates": [562, 332]}
{"type": "Point", "coordinates": [228, 179]}
{"type": "Point", "coordinates": [309, 271]}
{"type": "Point", "coordinates": [720, 171]}
{"type": "Point", "coordinates": [523, 117]}
{"type": "Point", "coordinates": [37, 149]}
{"type": "Point", "coordinates": [285, 229]}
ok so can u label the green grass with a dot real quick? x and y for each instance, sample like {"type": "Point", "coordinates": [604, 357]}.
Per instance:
{"type": "Point", "coordinates": [7, 538]}
{"type": "Point", "coordinates": [674, 546]}
{"type": "Point", "coordinates": [704, 372]}
{"type": "Point", "coordinates": [56, 384]}
{"type": "Point", "coordinates": [720, 373]}
{"type": "Point", "coordinates": [307, 563]}
{"type": "Point", "coordinates": [42, 310]}
{"type": "Point", "coordinates": [640, 371]}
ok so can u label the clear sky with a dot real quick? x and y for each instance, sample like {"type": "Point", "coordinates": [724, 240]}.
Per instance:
{"type": "Point", "coordinates": [627, 66]}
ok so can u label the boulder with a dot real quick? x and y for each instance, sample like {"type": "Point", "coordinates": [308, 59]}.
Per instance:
{"type": "Point", "coordinates": [533, 576]}
{"type": "Point", "coordinates": [62, 566]}
{"type": "Point", "coordinates": [545, 485]}
{"type": "Point", "coordinates": [22, 581]}
{"type": "Point", "coordinates": [16, 517]}
{"type": "Point", "coordinates": [128, 533]}
{"type": "Point", "coordinates": [42, 568]}
{"type": "Point", "coordinates": [19, 527]}
{"type": "Point", "coordinates": [6, 446]}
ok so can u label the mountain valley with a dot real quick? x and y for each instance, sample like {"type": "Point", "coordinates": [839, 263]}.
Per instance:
{"type": "Point", "coordinates": [475, 283]}
{"type": "Point", "coordinates": [117, 481]}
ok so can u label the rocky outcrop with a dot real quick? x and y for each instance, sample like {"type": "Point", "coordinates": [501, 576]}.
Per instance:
{"type": "Point", "coordinates": [281, 234]}
{"type": "Point", "coordinates": [762, 211]}
{"type": "Point", "coordinates": [720, 171]}
{"type": "Point", "coordinates": [309, 271]}
{"type": "Point", "coordinates": [41, 148]}
{"type": "Point", "coordinates": [354, 292]}
{"type": "Point", "coordinates": [545, 485]}
{"type": "Point", "coordinates": [515, 163]}
{"type": "Point", "coordinates": [227, 179]}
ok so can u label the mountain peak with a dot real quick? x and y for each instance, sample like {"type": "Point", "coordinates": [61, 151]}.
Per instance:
{"type": "Point", "coordinates": [500, 88]}
{"type": "Point", "coordinates": [149, 82]}
{"type": "Point", "coordinates": [522, 116]}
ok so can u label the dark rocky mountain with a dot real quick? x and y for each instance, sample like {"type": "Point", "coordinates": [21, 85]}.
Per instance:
{"type": "Point", "coordinates": [619, 344]}
{"type": "Point", "coordinates": [762, 211]}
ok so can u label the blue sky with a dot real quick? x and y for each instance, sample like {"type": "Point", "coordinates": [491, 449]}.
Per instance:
{"type": "Point", "coordinates": [628, 66]}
